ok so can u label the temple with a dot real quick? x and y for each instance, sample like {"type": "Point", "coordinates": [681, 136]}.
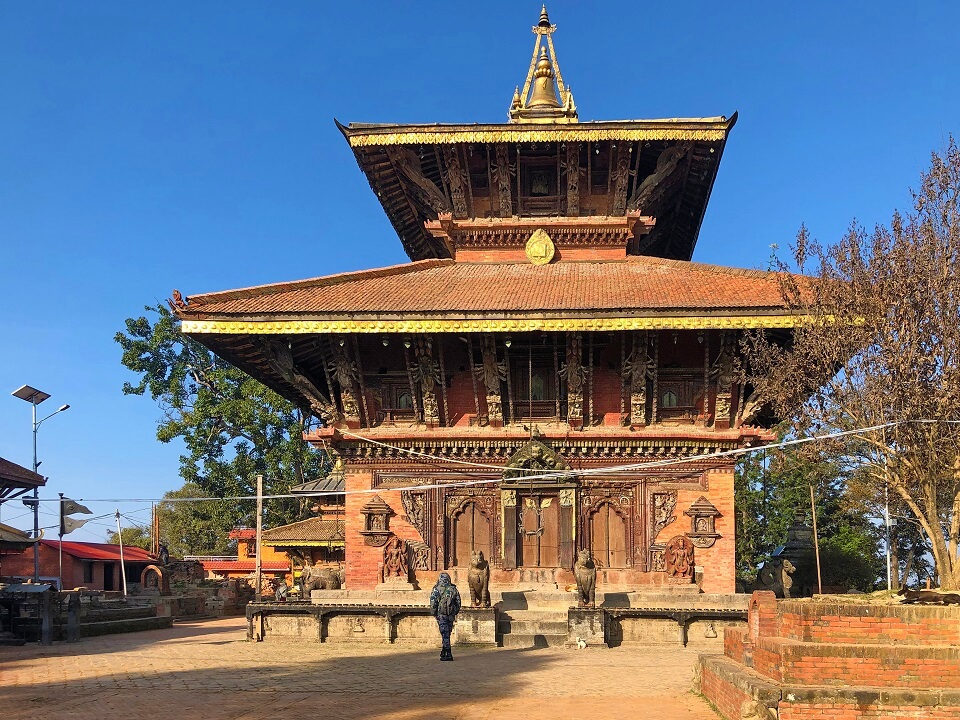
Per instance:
{"type": "Point", "coordinates": [549, 374]}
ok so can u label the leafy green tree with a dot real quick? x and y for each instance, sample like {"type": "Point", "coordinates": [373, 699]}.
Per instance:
{"type": "Point", "coordinates": [190, 527]}
{"type": "Point", "coordinates": [233, 427]}
{"type": "Point", "coordinates": [133, 536]}
{"type": "Point", "coordinates": [773, 488]}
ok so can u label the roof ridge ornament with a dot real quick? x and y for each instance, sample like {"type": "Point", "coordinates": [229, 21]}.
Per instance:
{"type": "Point", "coordinates": [543, 104]}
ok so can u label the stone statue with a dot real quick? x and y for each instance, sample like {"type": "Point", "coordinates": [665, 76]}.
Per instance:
{"type": "Point", "coordinates": [585, 571]}
{"type": "Point", "coordinates": [282, 591]}
{"type": "Point", "coordinates": [316, 578]}
{"type": "Point", "coordinates": [479, 580]}
{"type": "Point", "coordinates": [395, 559]}
{"type": "Point", "coordinates": [776, 575]}
{"type": "Point", "coordinates": [678, 558]}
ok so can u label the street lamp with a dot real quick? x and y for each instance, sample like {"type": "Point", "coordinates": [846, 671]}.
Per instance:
{"type": "Point", "coordinates": [35, 397]}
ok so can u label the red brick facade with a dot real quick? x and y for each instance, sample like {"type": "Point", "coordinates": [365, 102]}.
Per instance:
{"type": "Point", "coordinates": [830, 660]}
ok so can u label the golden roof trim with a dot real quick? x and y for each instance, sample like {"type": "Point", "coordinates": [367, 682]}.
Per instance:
{"type": "Point", "coordinates": [552, 133]}
{"type": "Point", "coordinates": [598, 324]}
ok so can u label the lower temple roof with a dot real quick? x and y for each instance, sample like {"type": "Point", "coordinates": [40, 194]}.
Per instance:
{"type": "Point", "coordinates": [439, 289]}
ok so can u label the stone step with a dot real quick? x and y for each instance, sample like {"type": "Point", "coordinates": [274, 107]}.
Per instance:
{"type": "Point", "coordinates": [118, 613]}
{"type": "Point", "coordinates": [110, 627]}
{"type": "Point", "coordinates": [535, 627]}
{"type": "Point", "coordinates": [533, 640]}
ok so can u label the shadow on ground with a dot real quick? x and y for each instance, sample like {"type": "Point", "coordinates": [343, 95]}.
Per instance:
{"type": "Point", "coordinates": [213, 672]}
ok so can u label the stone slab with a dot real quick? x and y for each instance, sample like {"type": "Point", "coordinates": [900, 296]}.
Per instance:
{"type": "Point", "coordinates": [477, 627]}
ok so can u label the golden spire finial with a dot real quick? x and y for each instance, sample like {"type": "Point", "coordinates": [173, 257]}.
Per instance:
{"type": "Point", "coordinates": [544, 18]}
{"type": "Point", "coordinates": [544, 104]}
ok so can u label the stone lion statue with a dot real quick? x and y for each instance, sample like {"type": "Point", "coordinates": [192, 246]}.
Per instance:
{"type": "Point", "coordinates": [585, 571]}
{"type": "Point", "coordinates": [479, 580]}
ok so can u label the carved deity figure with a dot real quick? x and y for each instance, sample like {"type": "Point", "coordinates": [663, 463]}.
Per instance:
{"type": "Point", "coordinates": [395, 559]}
{"type": "Point", "coordinates": [678, 557]}
{"type": "Point", "coordinates": [479, 580]}
{"type": "Point", "coordinates": [572, 370]}
{"type": "Point", "coordinates": [585, 571]}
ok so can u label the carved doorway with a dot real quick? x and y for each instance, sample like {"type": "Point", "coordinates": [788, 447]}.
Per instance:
{"type": "Point", "coordinates": [540, 531]}
{"type": "Point", "coordinates": [471, 531]}
{"type": "Point", "coordinates": [608, 537]}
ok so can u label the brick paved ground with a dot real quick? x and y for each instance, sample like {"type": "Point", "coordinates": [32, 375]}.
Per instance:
{"type": "Point", "coordinates": [208, 670]}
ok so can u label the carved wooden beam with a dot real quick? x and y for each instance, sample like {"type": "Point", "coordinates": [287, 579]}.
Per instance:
{"type": "Point", "coordinates": [407, 164]}
{"type": "Point", "coordinates": [492, 374]}
{"type": "Point", "coordinates": [619, 180]}
{"type": "Point", "coordinates": [501, 174]}
{"type": "Point", "coordinates": [573, 179]}
{"type": "Point", "coordinates": [425, 371]}
{"type": "Point", "coordinates": [649, 189]}
{"type": "Point", "coordinates": [456, 181]}
{"type": "Point", "coordinates": [280, 359]}
{"type": "Point", "coordinates": [345, 373]}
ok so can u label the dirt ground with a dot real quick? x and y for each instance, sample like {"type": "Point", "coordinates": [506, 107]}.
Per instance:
{"type": "Point", "coordinates": [208, 670]}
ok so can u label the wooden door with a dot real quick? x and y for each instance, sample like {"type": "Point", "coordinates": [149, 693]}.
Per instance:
{"type": "Point", "coordinates": [471, 531]}
{"type": "Point", "coordinates": [540, 527]}
{"type": "Point", "coordinates": [608, 537]}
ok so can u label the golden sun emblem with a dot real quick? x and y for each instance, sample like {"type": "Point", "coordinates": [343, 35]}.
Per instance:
{"type": "Point", "coordinates": [540, 249]}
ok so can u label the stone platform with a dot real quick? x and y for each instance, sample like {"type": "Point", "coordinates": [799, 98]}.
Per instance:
{"type": "Point", "coordinates": [522, 616]}
{"type": "Point", "coordinates": [850, 660]}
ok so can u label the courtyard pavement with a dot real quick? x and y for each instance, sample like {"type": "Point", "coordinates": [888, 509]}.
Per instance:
{"type": "Point", "coordinates": [208, 670]}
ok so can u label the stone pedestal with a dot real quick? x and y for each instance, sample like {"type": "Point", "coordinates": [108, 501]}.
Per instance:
{"type": "Point", "coordinates": [477, 627]}
{"type": "Point", "coordinates": [395, 584]}
{"type": "Point", "coordinates": [586, 625]}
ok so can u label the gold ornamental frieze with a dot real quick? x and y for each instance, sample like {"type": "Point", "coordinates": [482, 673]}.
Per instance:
{"type": "Point", "coordinates": [595, 324]}
{"type": "Point", "coordinates": [553, 134]}
{"type": "Point", "coordinates": [540, 249]}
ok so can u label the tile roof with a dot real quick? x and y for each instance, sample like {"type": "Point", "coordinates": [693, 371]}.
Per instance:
{"type": "Point", "coordinates": [101, 551]}
{"type": "Point", "coordinates": [242, 565]}
{"type": "Point", "coordinates": [441, 287]}
{"type": "Point", "coordinates": [243, 534]}
{"type": "Point", "coordinates": [19, 476]}
{"type": "Point", "coordinates": [311, 530]}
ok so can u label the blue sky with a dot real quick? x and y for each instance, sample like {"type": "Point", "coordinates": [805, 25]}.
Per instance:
{"type": "Point", "coordinates": [146, 147]}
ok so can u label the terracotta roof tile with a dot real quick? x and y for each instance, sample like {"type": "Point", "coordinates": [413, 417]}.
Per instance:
{"type": "Point", "coordinates": [18, 476]}
{"type": "Point", "coordinates": [313, 529]}
{"type": "Point", "coordinates": [445, 286]}
{"type": "Point", "coordinates": [242, 565]}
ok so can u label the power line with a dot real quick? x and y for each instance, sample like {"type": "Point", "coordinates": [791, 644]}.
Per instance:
{"type": "Point", "coordinates": [607, 470]}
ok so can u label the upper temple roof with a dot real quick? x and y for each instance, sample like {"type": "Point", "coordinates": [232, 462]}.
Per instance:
{"type": "Point", "coordinates": [544, 164]}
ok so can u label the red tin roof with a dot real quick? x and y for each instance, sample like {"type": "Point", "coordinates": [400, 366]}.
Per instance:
{"type": "Point", "coordinates": [101, 551]}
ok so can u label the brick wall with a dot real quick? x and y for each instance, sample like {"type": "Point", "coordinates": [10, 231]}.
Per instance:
{"type": "Point", "coordinates": [841, 660]}
{"type": "Point", "coordinates": [362, 560]}
{"type": "Point", "coordinates": [727, 697]}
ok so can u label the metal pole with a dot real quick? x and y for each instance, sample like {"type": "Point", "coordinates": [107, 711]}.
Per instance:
{"type": "Point", "coordinates": [60, 547]}
{"type": "Point", "coordinates": [259, 533]}
{"type": "Point", "coordinates": [816, 541]}
{"type": "Point", "coordinates": [123, 569]}
{"type": "Point", "coordinates": [36, 502]}
{"type": "Point", "coordinates": [886, 532]}
{"type": "Point", "coordinates": [886, 513]}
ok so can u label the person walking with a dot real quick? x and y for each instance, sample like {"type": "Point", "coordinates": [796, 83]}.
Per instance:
{"type": "Point", "coordinates": [444, 606]}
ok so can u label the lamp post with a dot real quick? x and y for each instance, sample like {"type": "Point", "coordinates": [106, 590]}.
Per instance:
{"type": "Point", "coordinates": [35, 397]}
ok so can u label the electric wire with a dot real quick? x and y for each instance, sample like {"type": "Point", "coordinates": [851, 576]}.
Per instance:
{"type": "Point", "coordinates": [607, 470]}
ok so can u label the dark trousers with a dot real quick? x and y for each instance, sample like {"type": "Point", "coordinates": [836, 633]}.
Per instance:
{"type": "Point", "coordinates": [446, 627]}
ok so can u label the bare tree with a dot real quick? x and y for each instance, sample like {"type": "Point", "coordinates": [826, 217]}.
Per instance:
{"type": "Point", "coordinates": [879, 343]}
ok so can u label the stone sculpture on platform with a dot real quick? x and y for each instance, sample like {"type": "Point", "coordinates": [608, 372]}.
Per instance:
{"type": "Point", "coordinates": [395, 560]}
{"type": "Point", "coordinates": [585, 571]}
{"type": "Point", "coordinates": [317, 578]}
{"type": "Point", "coordinates": [479, 580]}
{"type": "Point", "coordinates": [678, 557]}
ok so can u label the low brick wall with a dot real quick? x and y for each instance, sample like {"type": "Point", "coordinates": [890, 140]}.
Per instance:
{"type": "Point", "coordinates": [816, 659]}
